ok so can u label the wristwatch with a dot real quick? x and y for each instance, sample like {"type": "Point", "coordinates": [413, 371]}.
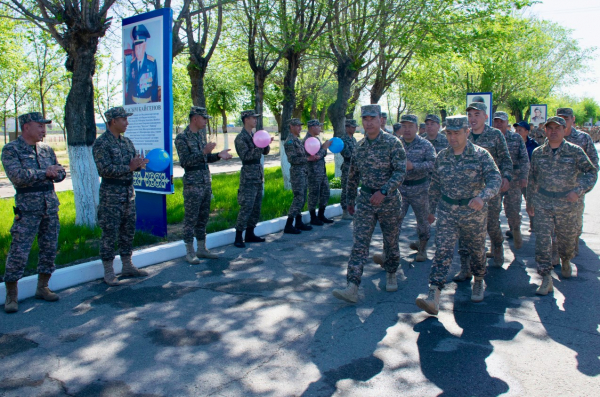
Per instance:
{"type": "Point", "coordinates": [384, 192]}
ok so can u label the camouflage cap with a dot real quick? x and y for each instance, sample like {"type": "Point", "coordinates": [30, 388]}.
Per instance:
{"type": "Point", "coordinates": [33, 116]}
{"type": "Point", "coordinates": [411, 118]}
{"type": "Point", "coordinates": [197, 110]}
{"type": "Point", "coordinates": [115, 113]}
{"type": "Point", "coordinates": [432, 117]}
{"type": "Point", "coordinates": [295, 122]}
{"type": "Point", "coordinates": [556, 119]}
{"type": "Point", "coordinates": [422, 125]}
{"type": "Point", "coordinates": [370, 110]}
{"type": "Point", "coordinates": [313, 123]}
{"type": "Point", "coordinates": [384, 115]}
{"type": "Point", "coordinates": [564, 112]}
{"type": "Point", "coordinates": [248, 113]}
{"type": "Point", "coordinates": [455, 123]}
{"type": "Point", "coordinates": [501, 116]}
{"type": "Point", "coordinates": [397, 127]}
{"type": "Point", "coordinates": [351, 123]}
{"type": "Point", "coordinates": [477, 106]}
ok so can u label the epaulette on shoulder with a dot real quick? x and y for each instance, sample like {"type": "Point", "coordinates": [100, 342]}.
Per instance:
{"type": "Point", "coordinates": [150, 58]}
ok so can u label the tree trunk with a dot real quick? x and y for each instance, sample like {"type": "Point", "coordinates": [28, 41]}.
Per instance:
{"type": "Point", "coordinates": [352, 103]}
{"type": "Point", "coordinates": [196, 71]}
{"type": "Point", "coordinates": [289, 102]}
{"type": "Point", "coordinates": [259, 93]}
{"type": "Point", "coordinates": [377, 90]}
{"type": "Point", "coordinates": [224, 116]}
{"type": "Point", "coordinates": [444, 114]}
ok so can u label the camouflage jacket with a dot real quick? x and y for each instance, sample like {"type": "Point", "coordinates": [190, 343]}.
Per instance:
{"type": "Point", "coordinates": [25, 166]}
{"type": "Point", "coordinates": [473, 174]}
{"type": "Point", "coordinates": [518, 155]}
{"type": "Point", "coordinates": [440, 142]}
{"type": "Point", "coordinates": [584, 141]}
{"type": "Point", "coordinates": [492, 140]}
{"type": "Point", "coordinates": [348, 150]}
{"type": "Point", "coordinates": [248, 151]}
{"type": "Point", "coordinates": [316, 168]}
{"type": "Point", "coordinates": [295, 152]}
{"type": "Point", "coordinates": [377, 164]}
{"type": "Point", "coordinates": [112, 156]}
{"type": "Point", "coordinates": [190, 148]}
{"type": "Point", "coordinates": [569, 169]}
{"type": "Point", "coordinates": [422, 156]}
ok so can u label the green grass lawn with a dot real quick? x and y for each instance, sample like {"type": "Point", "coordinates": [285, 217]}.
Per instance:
{"type": "Point", "coordinates": [78, 244]}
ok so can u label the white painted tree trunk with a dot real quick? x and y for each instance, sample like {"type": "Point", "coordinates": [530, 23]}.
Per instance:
{"type": "Point", "coordinates": [339, 160]}
{"type": "Point", "coordinates": [285, 166]}
{"type": "Point", "coordinates": [226, 141]}
{"type": "Point", "coordinates": [86, 184]}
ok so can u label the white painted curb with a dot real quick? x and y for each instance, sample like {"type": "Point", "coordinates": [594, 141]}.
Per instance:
{"type": "Point", "coordinates": [88, 271]}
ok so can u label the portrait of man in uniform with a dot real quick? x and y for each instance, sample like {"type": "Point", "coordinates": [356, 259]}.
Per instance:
{"type": "Point", "coordinates": [538, 114]}
{"type": "Point", "coordinates": [142, 73]}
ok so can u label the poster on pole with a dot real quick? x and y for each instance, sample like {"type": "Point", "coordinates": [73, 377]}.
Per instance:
{"type": "Point", "coordinates": [147, 77]}
{"type": "Point", "coordinates": [485, 97]}
{"type": "Point", "coordinates": [539, 114]}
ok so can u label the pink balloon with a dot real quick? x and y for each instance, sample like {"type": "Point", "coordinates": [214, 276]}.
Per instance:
{"type": "Point", "coordinates": [312, 145]}
{"type": "Point", "coordinates": [262, 139]}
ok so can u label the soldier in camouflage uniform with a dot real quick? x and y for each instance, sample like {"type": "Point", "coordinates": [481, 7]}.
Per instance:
{"type": "Point", "coordinates": [298, 159]}
{"type": "Point", "coordinates": [493, 141]}
{"type": "Point", "coordinates": [520, 159]}
{"type": "Point", "coordinates": [32, 168]}
{"type": "Point", "coordinates": [194, 156]}
{"type": "Point", "coordinates": [347, 151]}
{"type": "Point", "coordinates": [432, 133]}
{"type": "Point", "coordinates": [384, 117]}
{"type": "Point", "coordinates": [559, 176]}
{"type": "Point", "coordinates": [397, 130]}
{"type": "Point", "coordinates": [465, 178]}
{"type": "Point", "coordinates": [318, 184]}
{"type": "Point", "coordinates": [250, 192]}
{"type": "Point", "coordinates": [116, 161]}
{"type": "Point", "coordinates": [422, 129]}
{"type": "Point", "coordinates": [379, 163]}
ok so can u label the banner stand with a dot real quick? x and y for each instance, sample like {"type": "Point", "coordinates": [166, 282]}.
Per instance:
{"type": "Point", "coordinates": [151, 212]}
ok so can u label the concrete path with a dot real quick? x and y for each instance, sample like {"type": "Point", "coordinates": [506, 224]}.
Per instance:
{"type": "Point", "coordinates": [261, 321]}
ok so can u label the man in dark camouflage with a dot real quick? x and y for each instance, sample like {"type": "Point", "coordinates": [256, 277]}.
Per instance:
{"type": "Point", "coordinates": [250, 192]}
{"type": "Point", "coordinates": [397, 130]}
{"type": "Point", "coordinates": [32, 168]}
{"type": "Point", "coordinates": [493, 141]}
{"type": "Point", "coordinates": [465, 178]}
{"type": "Point", "coordinates": [318, 184]}
{"type": "Point", "coordinates": [384, 117]}
{"type": "Point", "coordinates": [194, 156]}
{"type": "Point", "coordinates": [422, 129]}
{"type": "Point", "coordinates": [298, 159]}
{"type": "Point", "coordinates": [512, 198]}
{"type": "Point", "coordinates": [116, 161]}
{"type": "Point", "coordinates": [432, 133]}
{"type": "Point", "coordinates": [379, 164]}
{"type": "Point", "coordinates": [559, 176]}
{"type": "Point", "coordinates": [347, 151]}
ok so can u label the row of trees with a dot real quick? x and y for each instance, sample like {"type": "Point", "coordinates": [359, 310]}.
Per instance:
{"type": "Point", "coordinates": [311, 58]}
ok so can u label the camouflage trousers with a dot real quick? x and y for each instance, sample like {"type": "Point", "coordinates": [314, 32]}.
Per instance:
{"type": "Point", "coordinates": [466, 225]}
{"type": "Point", "coordinates": [196, 202]}
{"type": "Point", "coordinates": [554, 218]}
{"type": "Point", "coordinates": [23, 231]}
{"type": "Point", "coordinates": [512, 204]}
{"type": "Point", "coordinates": [249, 197]}
{"type": "Point", "coordinates": [344, 180]}
{"type": "Point", "coordinates": [418, 198]}
{"type": "Point", "coordinates": [318, 191]}
{"type": "Point", "coordinates": [493, 220]}
{"type": "Point", "coordinates": [365, 219]}
{"type": "Point", "coordinates": [298, 178]}
{"type": "Point", "coordinates": [117, 221]}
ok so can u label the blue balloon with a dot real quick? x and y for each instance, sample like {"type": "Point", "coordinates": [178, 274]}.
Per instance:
{"type": "Point", "coordinates": [336, 145]}
{"type": "Point", "coordinates": [159, 160]}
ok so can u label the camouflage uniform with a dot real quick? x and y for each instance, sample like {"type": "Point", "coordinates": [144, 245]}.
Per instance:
{"type": "Point", "coordinates": [439, 143]}
{"type": "Point", "coordinates": [197, 189]}
{"type": "Point", "coordinates": [36, 203]}
{"type": "Point", "coordinates": [347, 151]}
{"type": "Point", "coordinates": [116, 211]}
{"type": "Point", "coordinates": [552, 176]}
{"type": "Point", "coordinates": [456, 180]}
{"type": "Point", "coordinates": [298, 159]}
{"type": "Point", "coordinates": [318, 184]}
{"type": "Point", "coordinates": [250, 192]}
{"type": "Point", "coordinates": [379, 164]}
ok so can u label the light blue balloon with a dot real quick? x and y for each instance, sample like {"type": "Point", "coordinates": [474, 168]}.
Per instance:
{"type": "Point", "coordinates": [336, 145]}
{"type": "Point", "coordinates": [159, 160]}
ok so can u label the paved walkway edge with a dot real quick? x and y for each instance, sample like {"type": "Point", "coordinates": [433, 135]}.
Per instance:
{"type": "Point", "coordinates": [73, 275]}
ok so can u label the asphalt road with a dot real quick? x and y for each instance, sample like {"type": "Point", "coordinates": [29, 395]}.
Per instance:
{"type": "Point", "coordinates": [262, 321]}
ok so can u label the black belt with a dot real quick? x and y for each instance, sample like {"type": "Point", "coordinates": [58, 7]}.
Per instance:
{"type": "Point", "coordinates": [553, 194]}
{"type": "Point", "coordinates": [34, 189]}
{"type": "Point", "coordinates": [456, 202]}
{"type": "Point", "coordinates": [117, 182]}
{"type": "Point", "coordinates": [368, 190]}
{"type": "Point", "coordinates": [203, 166]}
{"type": "Point", "coordinates": [415, 182]}
{"type": "Point", "coordinates": [516, 167]}
{"type": "Point", "coordinates": [250, 162]}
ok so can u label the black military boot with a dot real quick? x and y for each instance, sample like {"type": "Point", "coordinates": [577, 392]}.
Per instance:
{"type": "Point", "coordinates": [314, 220]}
{"type": "Point", "coordinates": [301, 225]}
{"type": "Point", "coordinates": [289, 227]}
{"type": "Point", "coordinates": [253, 238]}
{"type": "Point", "coordinates": [322, 216]}
{"type": "Point", "coordinates": [239, 241]}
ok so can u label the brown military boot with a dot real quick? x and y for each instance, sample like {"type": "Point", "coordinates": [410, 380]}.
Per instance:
{"type": "Point", "coordinates": [109, 274]}
{"type": "Point", "coordinates": [546, 286]}
{"type": "Point", "coordinates": [465, 270]}
{"type": "Point", "coordinates": [190, 255]}
{"type": "Point", "coordinates": [11, 305]}
{"type": "Point", "coordinates": [414, 246]}
{"type": "Point", "coordinates": [379, 259]}
{"type": "Point", "coordinates": [422, 254]}
{"type": "Point", "coordinates": [346, 216]}
{"type": "Point", "coordinates": [129, 270]}
{"type": "Point", "coordinates": [349, 294]}
{"type": "Point", "coordinates": [202, 252]}
{"type": "Point", "coordinates": [431, 304]}
{"type": "Point", "coordinates": [518, 238]}
{"type": "Point", "coordinates": [42, 291]}
{"type": "Point", "coordinates": [565, 268]}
